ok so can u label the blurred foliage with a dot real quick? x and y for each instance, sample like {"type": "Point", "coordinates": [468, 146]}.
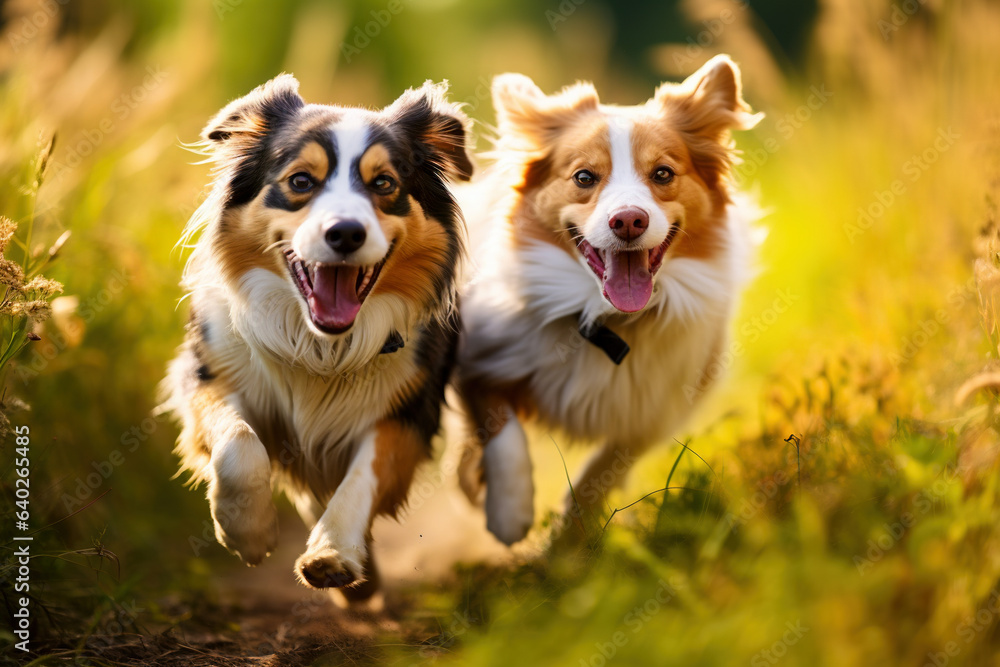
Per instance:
{"type": "Point", "coordinates": [870, 537]}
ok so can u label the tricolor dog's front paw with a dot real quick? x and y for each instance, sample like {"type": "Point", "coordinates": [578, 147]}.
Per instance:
{"type": "Point", "coordinates": [246, 521]}
{"type": "Point", "coordinates": [327, 567]}
{"type": "Point", "coordinates": [510, 492]}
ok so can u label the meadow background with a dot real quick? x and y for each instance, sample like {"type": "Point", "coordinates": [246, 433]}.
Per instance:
{"type": "Point", "coordinates": [842, 507]}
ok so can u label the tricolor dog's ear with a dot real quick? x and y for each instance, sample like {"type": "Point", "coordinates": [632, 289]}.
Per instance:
{"type": "Point", "coordinates": [437, 127]}
{"type": "Point", "coordinates": [262, 110]}
{"type": "Point", "coordinates": [530, 120]}
{"type": "Point", "coordinates": [705, 107]}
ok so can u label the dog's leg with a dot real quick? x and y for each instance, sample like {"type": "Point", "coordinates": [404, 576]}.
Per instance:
{"type": "Point", "coordinates": [605, 471]}
{"type": "Point", "coordinates": [239, 477]}
{"type": "Point", "coordinates": [504, 466]}
{"type": "Point", "coordinates": [308, 508]}
{"type": "Point", "coordinates": [338, 552]}
{"type": "Point", "coordinates": [510, 490]}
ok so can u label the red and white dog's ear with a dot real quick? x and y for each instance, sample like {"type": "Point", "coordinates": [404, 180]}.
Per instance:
{"type": "Point", "coordinates": [705, 107]}
{"type": "Point", "coordinates": [260, 111]}
{"type": "Point", "coordinates": [710, 101]}
{"type": "Point", "coordinates": [438, 127]}
{"type": "Point", "coordinates": [528, 119]}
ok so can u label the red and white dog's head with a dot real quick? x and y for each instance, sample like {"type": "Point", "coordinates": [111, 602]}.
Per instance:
{"type": "Point", "coordinates": [319, 211]}
{"type": "Point", "coordinates": [623, 189]}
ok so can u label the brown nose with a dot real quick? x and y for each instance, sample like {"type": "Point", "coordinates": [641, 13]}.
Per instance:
{"type": "Point", "coordinates": [629, 223]}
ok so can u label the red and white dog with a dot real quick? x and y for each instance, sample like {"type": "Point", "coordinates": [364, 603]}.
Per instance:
{"type": "Point", "coordinates": [605, 295]}
{"type": "Point", "coordinates": [323, 325]}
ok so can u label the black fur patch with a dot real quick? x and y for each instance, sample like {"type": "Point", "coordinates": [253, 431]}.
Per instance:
{"type": "Point", "coordinates": [259, 162]}
{"type": "Point", "coordinates": [393, 343]}
{"type": "Point", "coordinates": [436, 346]}
{"type": "Point", "coordinates": [422, 178]}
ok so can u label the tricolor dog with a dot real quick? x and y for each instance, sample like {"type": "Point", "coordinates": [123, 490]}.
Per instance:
{"type": "Point", "coordinates": [323, 324]}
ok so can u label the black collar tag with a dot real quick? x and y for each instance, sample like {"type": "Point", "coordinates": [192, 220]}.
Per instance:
{"type": "Point", "coordinates": [392, 343]}
{"type": "Point", "coordinates": [608, 341]}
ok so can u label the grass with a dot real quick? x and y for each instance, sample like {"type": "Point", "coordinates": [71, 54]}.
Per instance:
{"type": "Point", "coordinates": [843, 504]}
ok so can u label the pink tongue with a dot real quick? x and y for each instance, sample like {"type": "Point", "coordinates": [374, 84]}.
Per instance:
{"type": "Point", "coordinates": [334, 301]}
{"type": "Point", "coordinates": [628, 283]}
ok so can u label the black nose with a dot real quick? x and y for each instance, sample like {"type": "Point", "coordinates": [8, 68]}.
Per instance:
{"type": "Point", "coordinates": [346, 237]}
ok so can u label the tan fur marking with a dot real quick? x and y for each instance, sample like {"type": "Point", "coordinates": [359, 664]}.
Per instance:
{"type": "Point", "coordinates": [246, 232]}
{"type": "Point", "coordinates": [240, 244]}
{"type": "Point", "coordinates": [421, 252]}
{"type": "Point", "coordinates": [398, 452]}
{"type": "Point", "coordinates": [655, 143]}
{"type": "Point", "coordinates": [208, 409]}
{"type": "Point", "coordinates": [376, 161]}
{"type": "Point", "coordinates": [312, 160]}
{"type": "Point", "coordinates": [555, 201]}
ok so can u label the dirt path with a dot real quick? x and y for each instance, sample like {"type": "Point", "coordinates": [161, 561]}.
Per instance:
{"type": "Point", "coordinates": [264, 617]}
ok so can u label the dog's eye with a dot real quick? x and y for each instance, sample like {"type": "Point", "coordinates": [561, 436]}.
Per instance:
{"type": "Point", "coordinates": [301, 182]}
{"type": "Point", "coordinates": [584, 178]}
{"type": "Point", "coordinates": [663, 175]}
{"type": "Point", "coordinates": [384, 185]}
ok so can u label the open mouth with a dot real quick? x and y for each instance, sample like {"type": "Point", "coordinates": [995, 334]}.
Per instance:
{"type": "Point", "coordinates": [334, 292]}
{"type": "Point", "coordinates": [626, 276]}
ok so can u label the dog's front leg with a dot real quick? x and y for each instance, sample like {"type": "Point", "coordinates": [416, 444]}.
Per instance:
{"type": "Point", "coordinates": [377, 482]}
{"type": "Point", "coordinates": [606, 470]}
{"type": "Point", "coordinates": [504, 468]}
{"type": "Point", "coordinates": [239, 480]}
{"type": "Point", "coordinates": [337, 548]}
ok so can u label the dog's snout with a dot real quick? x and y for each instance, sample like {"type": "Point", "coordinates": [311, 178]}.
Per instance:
{"type": "Point", "coordinates": [629, 223]}
{"type": "Point", "coordinates": [347, 236]}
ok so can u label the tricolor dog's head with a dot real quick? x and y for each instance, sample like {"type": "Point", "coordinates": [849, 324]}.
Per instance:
{"type": "Point", "coordinates": [624, 189]}
{"type": "Point", "coordinates": [343, 203]}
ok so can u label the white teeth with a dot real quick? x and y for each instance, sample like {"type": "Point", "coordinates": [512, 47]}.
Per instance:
{"type": "Point", "coordinates": [366, 279]}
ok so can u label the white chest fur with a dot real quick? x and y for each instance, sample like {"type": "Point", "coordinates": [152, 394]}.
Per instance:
{"type": "Point", "coordinates": [521, 317]}
{"type": "Point", "coordinates": [326, 399]}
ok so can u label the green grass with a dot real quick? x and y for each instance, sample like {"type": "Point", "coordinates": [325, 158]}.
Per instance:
{"type": "Point", "coordinates": [873, 533]}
